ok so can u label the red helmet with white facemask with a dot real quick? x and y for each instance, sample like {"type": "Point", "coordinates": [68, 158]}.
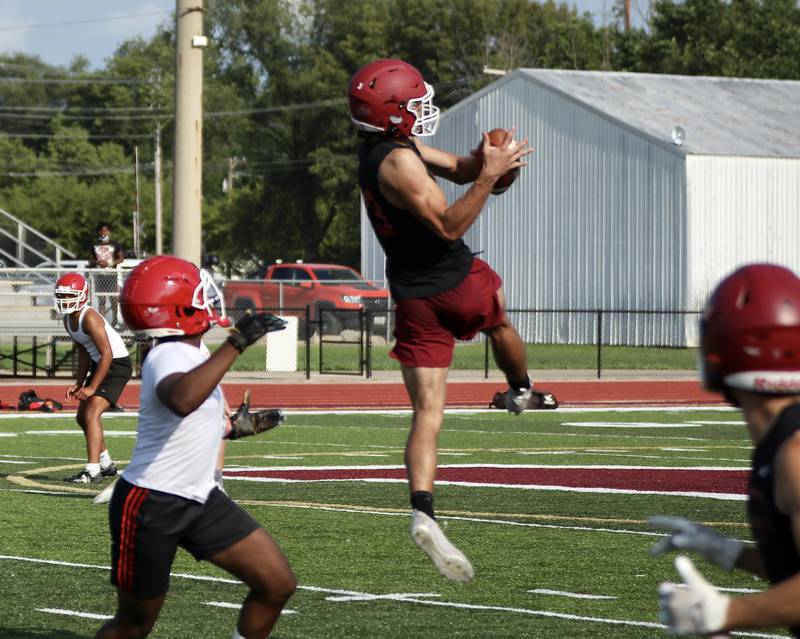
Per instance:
{"type": "Point", "coordinates": [391, 96]}
{"type": "Point", "coordinates": [750, 332]}
{"type": "Point", "coordinates": [71, 293]}
{"type": "Point", "coordinates": [166, 295]}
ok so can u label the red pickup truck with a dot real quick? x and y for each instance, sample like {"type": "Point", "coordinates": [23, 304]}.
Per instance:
{"type": "Point", "coordinates": [334, 294]}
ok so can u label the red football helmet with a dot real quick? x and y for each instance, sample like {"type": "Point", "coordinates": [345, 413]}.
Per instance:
{"type": "Point", "coordinates": [750, 332]}
{"type": "Point", "coordinates": [71, 293]}
{"type": "Point", "coordinates": [391, 96]}
{"type": "Point", "coordinates": [166, 295]}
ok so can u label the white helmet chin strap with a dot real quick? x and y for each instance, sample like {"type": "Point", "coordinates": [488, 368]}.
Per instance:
{"type": "Point", "coordinates": [427, 115]}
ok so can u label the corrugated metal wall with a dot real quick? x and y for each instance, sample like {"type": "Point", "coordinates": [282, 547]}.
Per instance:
{"type": "Point", "coordinates": [741, 210]}
{"type": "Point", "coordinates": [597, 219]}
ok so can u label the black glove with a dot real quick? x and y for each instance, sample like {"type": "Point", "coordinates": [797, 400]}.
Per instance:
{"type": "Point", "coordinates": [251, 327]}
{"type": "Point", "coordinates": [245, 422]}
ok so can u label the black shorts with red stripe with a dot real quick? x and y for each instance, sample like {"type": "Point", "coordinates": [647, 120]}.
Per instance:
{"type": "Point", "coordinates": [147, 527]}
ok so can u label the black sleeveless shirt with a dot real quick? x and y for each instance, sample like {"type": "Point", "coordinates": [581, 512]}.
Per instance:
{"type": "Point", "coordinates": [418, 262]}
{"type": "Point", "coordinates": [772, 529]}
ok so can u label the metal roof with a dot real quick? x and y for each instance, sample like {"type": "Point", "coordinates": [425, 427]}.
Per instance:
{"type": "Point", "coordinates": [721, 116]}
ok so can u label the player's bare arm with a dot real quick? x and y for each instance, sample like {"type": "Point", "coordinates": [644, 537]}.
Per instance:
{"type": "Point", "coordinates": [183, 393]}
{"type": "Point", "coordinates": [777, 606]}
{"type": "Point", "coordinates": [94, 326]}
{"type": "Point", "coordinates": [405, 182]}
{"type": "Point", "coordinates": [458, 169]}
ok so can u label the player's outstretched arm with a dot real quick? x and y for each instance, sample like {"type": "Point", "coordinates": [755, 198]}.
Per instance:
{"type": "Point", "coordinates": [459, 169]}
{"type": "Point", "coordinates": [183, 393]}
{"type": "Point", "coordinates": [404, 181]}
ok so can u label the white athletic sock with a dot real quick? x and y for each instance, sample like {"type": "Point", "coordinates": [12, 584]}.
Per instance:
{"type": "Point", "coordinates": [105, 459]}
{"type": "Point", "coordinates": [236, 634]}
{"type": "Point", "coordinates": [93, 469]}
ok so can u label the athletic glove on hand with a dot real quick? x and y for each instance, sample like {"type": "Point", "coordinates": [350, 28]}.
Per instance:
{"type": "Point", "coordinates": [251, 327]}
{"type": "Point", "coordinates": [688, 535]}
{"type": "Point", "coordinates": [696, 608]}
{"type": "Point", "coordinates": [245, 423]}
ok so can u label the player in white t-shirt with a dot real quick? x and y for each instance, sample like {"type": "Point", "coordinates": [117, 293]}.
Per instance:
{"type": "Point", "coordinates": [167, 497]}
{"type": "Point", "coordinates": [104, 369]}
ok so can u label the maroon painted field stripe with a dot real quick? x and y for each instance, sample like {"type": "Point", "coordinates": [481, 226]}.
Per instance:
{"type": "Point", "coordinates": [655, 480]}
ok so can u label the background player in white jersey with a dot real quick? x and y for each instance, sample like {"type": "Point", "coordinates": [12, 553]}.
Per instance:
{"type": "Point", "coordinates": [167, 497]}
{"type": "Point", "coordinates": [103, 370]}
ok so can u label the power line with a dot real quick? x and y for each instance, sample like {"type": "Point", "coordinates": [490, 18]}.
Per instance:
{"type": "Point", "coordinates": [88, 21]}
{"type": "Point", "coordinates": [77, 137]}
{"type": "Point", "coordinates": [86, 80]}
{"type": "Point", "coordinates": [70, 116]}
{"type": "Point", "coordinates": [64, 109]}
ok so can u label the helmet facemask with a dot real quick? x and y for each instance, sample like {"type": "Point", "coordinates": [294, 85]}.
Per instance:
{"type": "Point", "coordinates": [208, 298]}
{"type": "Point", "coordinates": [67, 300]}
{"type": "Point", "coordinates": [426, 114]}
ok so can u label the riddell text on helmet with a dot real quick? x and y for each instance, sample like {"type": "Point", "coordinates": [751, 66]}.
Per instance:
{"type": "Point", "coordinates": [786, 385]}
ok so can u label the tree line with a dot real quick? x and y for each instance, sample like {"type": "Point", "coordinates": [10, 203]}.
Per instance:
{"type": "Point", "coordinates": [279, 150]}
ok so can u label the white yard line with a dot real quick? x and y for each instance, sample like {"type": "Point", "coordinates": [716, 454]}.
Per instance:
{"type": "Point", "coordinates": [354, 595]}
{"type": "Point", "coordinates": [407, 411]}
{"type": "Point", "coordinates": [74, 613]}
{"type": "Point", "coordinates": [571, 595]}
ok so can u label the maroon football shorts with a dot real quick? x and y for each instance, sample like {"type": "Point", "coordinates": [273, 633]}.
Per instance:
{"type": "Point", "coordinates": [427, 327]}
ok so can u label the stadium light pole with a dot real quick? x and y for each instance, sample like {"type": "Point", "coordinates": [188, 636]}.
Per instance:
{"type": "Point", "coordinates": [188, 166]}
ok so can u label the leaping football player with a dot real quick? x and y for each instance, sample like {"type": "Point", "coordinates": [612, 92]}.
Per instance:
{"type": "Point", "coordinates": [441, 290]}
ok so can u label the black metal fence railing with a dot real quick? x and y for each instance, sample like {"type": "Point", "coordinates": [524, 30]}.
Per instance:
{"type": "Point", "coordinates": [588, 343]}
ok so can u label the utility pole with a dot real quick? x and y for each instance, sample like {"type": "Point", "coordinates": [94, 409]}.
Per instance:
{"type": "Point", "coordinates": [627, 15]}
{"type": "Point", "coordinates": [188, 166]}
{"type": "Point", "coordinates": [136, 229]}
{"type": "Point", "coordinates": [157, 181]}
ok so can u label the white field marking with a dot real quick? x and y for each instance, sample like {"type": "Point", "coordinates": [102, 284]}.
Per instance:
{"type": "Point", "coordinates": [394, 596]}
{"type": "Point", "coordinates": [9, 435]}
{"type": "Point", "coordinates": [513, 466]}
{"type": "Point", "coordinates": [744, 591]}
{"type": "Point", "coordinates": [572, 595]}
{"type": "Point", "coordinates": [62, 415]}
{"type": "Point", "coordinates": [281, 457]}
{"type": "Point", "coordinates": [446, 454]}
{"type": "Point", "coordinates": [426, 602]}
{"type": "Point", "coordinates": [469, 484]}
{"type": "Point", "coordinates": [343, 454]}
{"type": "Point", "coordinates": [684, 450]}
{"type": "Point", "coordinates": [711, 422]}
{"type": "Point", "coordinates": [78, 431]}
{"type": "Point", "coordinates": [44, 457]}
{"type": "Point", "coordinates": [629, 425]}
{"type": "Point", "coordinates": [547, 452]}
{"type": "Point", "coordinates": [694, 458]}
{"type": "Point", "coordinates": [74, 613]}
{"type": "Point", "coordinates": [14, 461]}
{"type": "Point", "coordinates": [407, 411]}
{"type": "Point", "coordinates": [353, 593]}
{"type": "Point", "coordinates": [237, 606]}
{"type": "Point", "coordinates": [37, 492]}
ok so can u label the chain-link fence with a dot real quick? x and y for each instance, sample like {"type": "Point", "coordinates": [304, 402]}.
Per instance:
{"type": "Point", "coordinates": [338, 329]}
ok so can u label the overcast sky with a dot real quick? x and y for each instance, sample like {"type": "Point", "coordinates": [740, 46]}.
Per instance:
{"type": "Point", "coordinates": [103, 24]}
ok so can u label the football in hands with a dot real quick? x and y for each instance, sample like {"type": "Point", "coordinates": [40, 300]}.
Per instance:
{"type": "Point", "coordinates": [496, 137]}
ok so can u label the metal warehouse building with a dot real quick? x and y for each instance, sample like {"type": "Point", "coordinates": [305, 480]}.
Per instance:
{"type": "Point", "coordinates": [617, 210]}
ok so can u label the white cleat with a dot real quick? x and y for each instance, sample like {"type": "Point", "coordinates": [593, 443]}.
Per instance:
{"type": "Point", "coordinates": [448, 559]}
{"type": "Point", "coordinates": [517, 400]}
